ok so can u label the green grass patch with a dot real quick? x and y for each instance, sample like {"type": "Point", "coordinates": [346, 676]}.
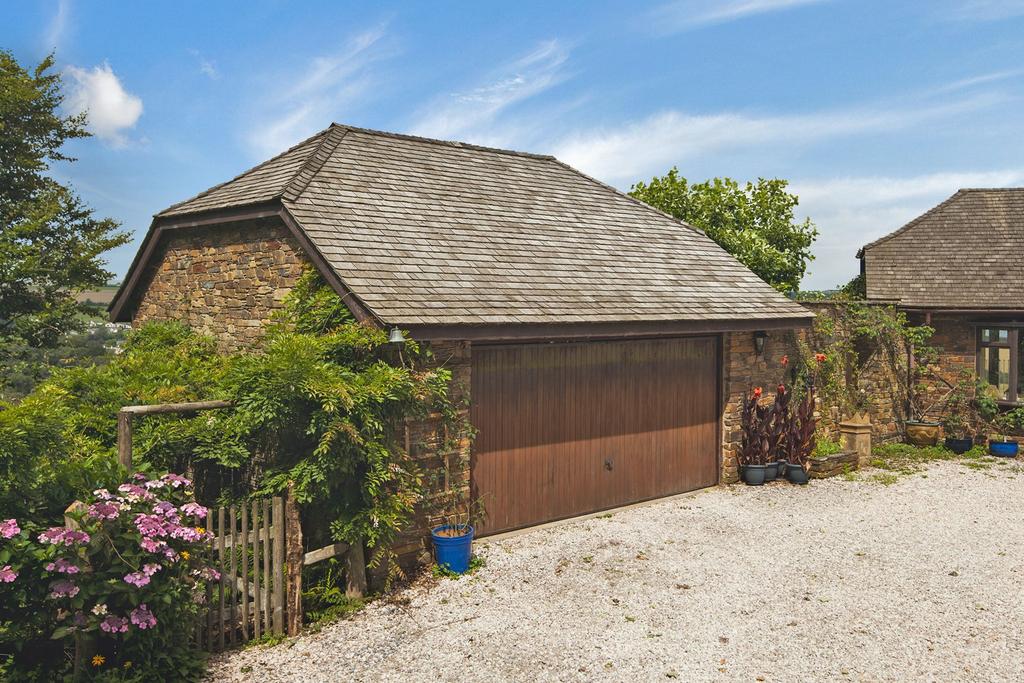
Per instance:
{"type": "Point", "coordinates": [475, 562]}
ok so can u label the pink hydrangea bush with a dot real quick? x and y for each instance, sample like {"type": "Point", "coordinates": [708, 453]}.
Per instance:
{"type": "Point", "coordinates": [132, 566]}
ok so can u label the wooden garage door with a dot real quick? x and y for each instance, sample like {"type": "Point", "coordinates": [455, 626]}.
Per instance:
{"type": "Point", "coordinates": [566, 429]}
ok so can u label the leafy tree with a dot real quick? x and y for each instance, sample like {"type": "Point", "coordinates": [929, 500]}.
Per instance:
{"type": "Point", "coordinates": [754, 223]}
{"type": "Point", "coordinates": [50, 242]}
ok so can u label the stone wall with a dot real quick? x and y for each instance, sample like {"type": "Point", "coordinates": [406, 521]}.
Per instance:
{"type": "Point", "coordinates": [880, 382]}
{"type": "Point", "coordinates": [742, 371]}
{"type": "Point", "coordinates": [446, 471]}
{"type": "Point", "coordinates": [225, 280]}
{"type": "Point", "coordinates": [956, 354]}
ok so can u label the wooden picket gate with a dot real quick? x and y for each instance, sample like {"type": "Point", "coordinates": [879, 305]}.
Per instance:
{"type": "Point", "coordinates": [257, 549]}
{"type": "Point", "coordinates": [248, 551]}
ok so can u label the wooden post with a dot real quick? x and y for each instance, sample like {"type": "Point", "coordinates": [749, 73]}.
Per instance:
{"type": "Point", "coordinates": [257, 605]}
{"type": "Point", "coordinates": [245, 573]}
{"type": "Point", "coordinates": [266, 567]}
{"type": "Point", "coordinates": [220, 569]}
{"type": "Point", "coordinates": [278, 505]}
{"type": "Point", "coordinates": [356, 571]}
{"type": "Point", "coordinates": [209, 592]}
{"type": "Point", "coordinates": [124, 439]}
{"type": "Point", "coordinates": [233, 581]}
{"type": "Point", "coordinates": [293, 541]}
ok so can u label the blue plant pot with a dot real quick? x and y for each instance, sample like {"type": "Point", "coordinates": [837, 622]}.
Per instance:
{"type": "Point", "coordinates": [453, 552]}
{"type": "Point", "coordinates": [796, 474]}
{"type": "Point", "coordinates": [771, 471]}
{"type": "Point", "coordinates": [1003, 449]}
{"type": "Point", "coordinates": [753, 475]}
{"type": "Point", "coordinates": [959, 446]}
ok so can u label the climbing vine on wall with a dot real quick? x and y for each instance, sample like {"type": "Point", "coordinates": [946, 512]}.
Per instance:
{"type": "Point", "coordinates": [854, 337]}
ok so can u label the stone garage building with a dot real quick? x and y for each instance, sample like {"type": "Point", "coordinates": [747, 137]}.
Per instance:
{"type": "Point", "coordinates": [607, 346]}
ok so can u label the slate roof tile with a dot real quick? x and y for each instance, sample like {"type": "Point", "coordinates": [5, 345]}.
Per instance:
{"type": "Point", "coordinates": [965, 253]}
{"type": "Point", "coordinates": [431, 232]}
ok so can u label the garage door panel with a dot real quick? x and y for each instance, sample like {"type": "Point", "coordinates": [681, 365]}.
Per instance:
{"type": "Point", "coordinates": [565, 429]}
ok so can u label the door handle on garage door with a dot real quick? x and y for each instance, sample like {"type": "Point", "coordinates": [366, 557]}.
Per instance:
{"type": "Point", "coordinates": [608, 465]}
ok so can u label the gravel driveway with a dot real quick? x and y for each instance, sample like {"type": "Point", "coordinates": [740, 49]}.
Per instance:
{"type": "Point", "coordinates": [839, 580]}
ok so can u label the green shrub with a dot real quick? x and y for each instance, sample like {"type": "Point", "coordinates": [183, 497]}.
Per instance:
{"type": "Point", "coordinates": [826, 447]}
{"type": "Point", "coordinates": [130, 575]}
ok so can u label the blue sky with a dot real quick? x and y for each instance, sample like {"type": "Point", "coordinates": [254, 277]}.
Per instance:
{"type": "Point", "coordinates": [875, 111]}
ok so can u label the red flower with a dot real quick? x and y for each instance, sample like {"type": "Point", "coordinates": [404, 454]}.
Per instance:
{"type": "Point", "coordinates": [782, 389]}
{"type": "Point", "coordinates": [757, 392]}
{"type": "Point", "coordinates": [785, 360]}
{"type": "Point", "coordinates": [820, 357]}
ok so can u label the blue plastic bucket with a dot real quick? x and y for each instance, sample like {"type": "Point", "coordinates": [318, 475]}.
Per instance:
{"type": "Point", "coordinates": [1003, 449]}
{"type": "Point", "coordinates": [453, 552]}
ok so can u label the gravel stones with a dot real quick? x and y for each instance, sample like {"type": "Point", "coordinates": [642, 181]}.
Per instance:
{"type": "Point", "coordinates": [839, 580]}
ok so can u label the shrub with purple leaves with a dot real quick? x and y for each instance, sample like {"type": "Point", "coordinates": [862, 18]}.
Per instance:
{"type": "Point", "coordinates": [130, 571]}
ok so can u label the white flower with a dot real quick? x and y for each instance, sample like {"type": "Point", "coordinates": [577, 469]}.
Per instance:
{"type": "Point", "coordinates": [100, 609]}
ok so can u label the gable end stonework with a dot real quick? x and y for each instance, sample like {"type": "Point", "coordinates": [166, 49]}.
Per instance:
{"type": "Point", "coordinates": [225, 280]}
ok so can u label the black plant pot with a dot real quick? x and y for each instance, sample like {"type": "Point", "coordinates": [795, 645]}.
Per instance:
{"type": "Point", "coordinates": [771, 471]}
{"type": "Point", "coordinates": [959, 446]}
{"type": "Point", "coordinates": [753, 475]}
{"type": "Point", "coordinates": [796, 474]}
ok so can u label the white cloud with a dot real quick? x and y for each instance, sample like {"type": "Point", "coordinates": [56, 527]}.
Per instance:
{"type": "Point", "coordinates": [852, 211]}
{"type": "Point", "coordinates": [58, 26]}
{"type": "Point", "coordinates": [110, 108]}
{"type": "Point", "coordinates": [687, 14]}
{"type": "Point", "coordinates": [986, 10]}
{"type": "Point", "coordinates": [470, 115]}
{"type": "Point", "coordinates": [965, 83]}
{"type": "Point", "coordinates": [207, 67]}
{"type": "Point", "coordinates": [651, 145]}
{"type": "Point", "coordinates": [320, 93]}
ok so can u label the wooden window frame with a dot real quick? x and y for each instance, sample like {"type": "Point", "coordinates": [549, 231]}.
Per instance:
{"type": "Point", "coordinates": [1011, 343]}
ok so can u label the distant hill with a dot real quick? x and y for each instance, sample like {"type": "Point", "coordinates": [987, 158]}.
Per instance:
{"type": "Point", "coordinates": [100, 297]}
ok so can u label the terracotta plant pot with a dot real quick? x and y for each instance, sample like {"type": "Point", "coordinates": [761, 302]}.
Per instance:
{"type": "Point", "coordinates": [923, 433]}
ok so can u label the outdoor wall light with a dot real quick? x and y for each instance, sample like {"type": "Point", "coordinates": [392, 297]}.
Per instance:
{"type": "Point", "coordinates": [396, 336]}
{"type": "Point", "coordinates": [759, 338]}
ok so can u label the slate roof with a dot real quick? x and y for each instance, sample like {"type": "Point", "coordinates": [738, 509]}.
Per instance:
{"type": "Point", "coordinates": [431, 232]}
{"type": "Point", "coordinates": [966, 253]}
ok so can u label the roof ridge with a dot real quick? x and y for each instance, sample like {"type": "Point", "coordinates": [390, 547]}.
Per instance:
{"type": "Point", "coordinates": [992, 189]}
{"type": "Point", "coordinates": [324, 150]}
{"type": "Point", "coordinates": [449, 143]}
{"type": "Point", "coordinates": [245, 173]}
{"type": "Point", "coordinates": [910, 224]}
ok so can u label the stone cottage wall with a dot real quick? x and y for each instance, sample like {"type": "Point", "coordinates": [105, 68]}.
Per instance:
{"type": "Point", "coordinates": [879, 382]}
{"type": "Point", "coordinates": [225, 280]}
{"type": "Point", "coordinates": [444, 470]}
{"type": "Point", "coordinates": [956, 353]}
{"type": "Point", "coordinates": [742, 371]}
